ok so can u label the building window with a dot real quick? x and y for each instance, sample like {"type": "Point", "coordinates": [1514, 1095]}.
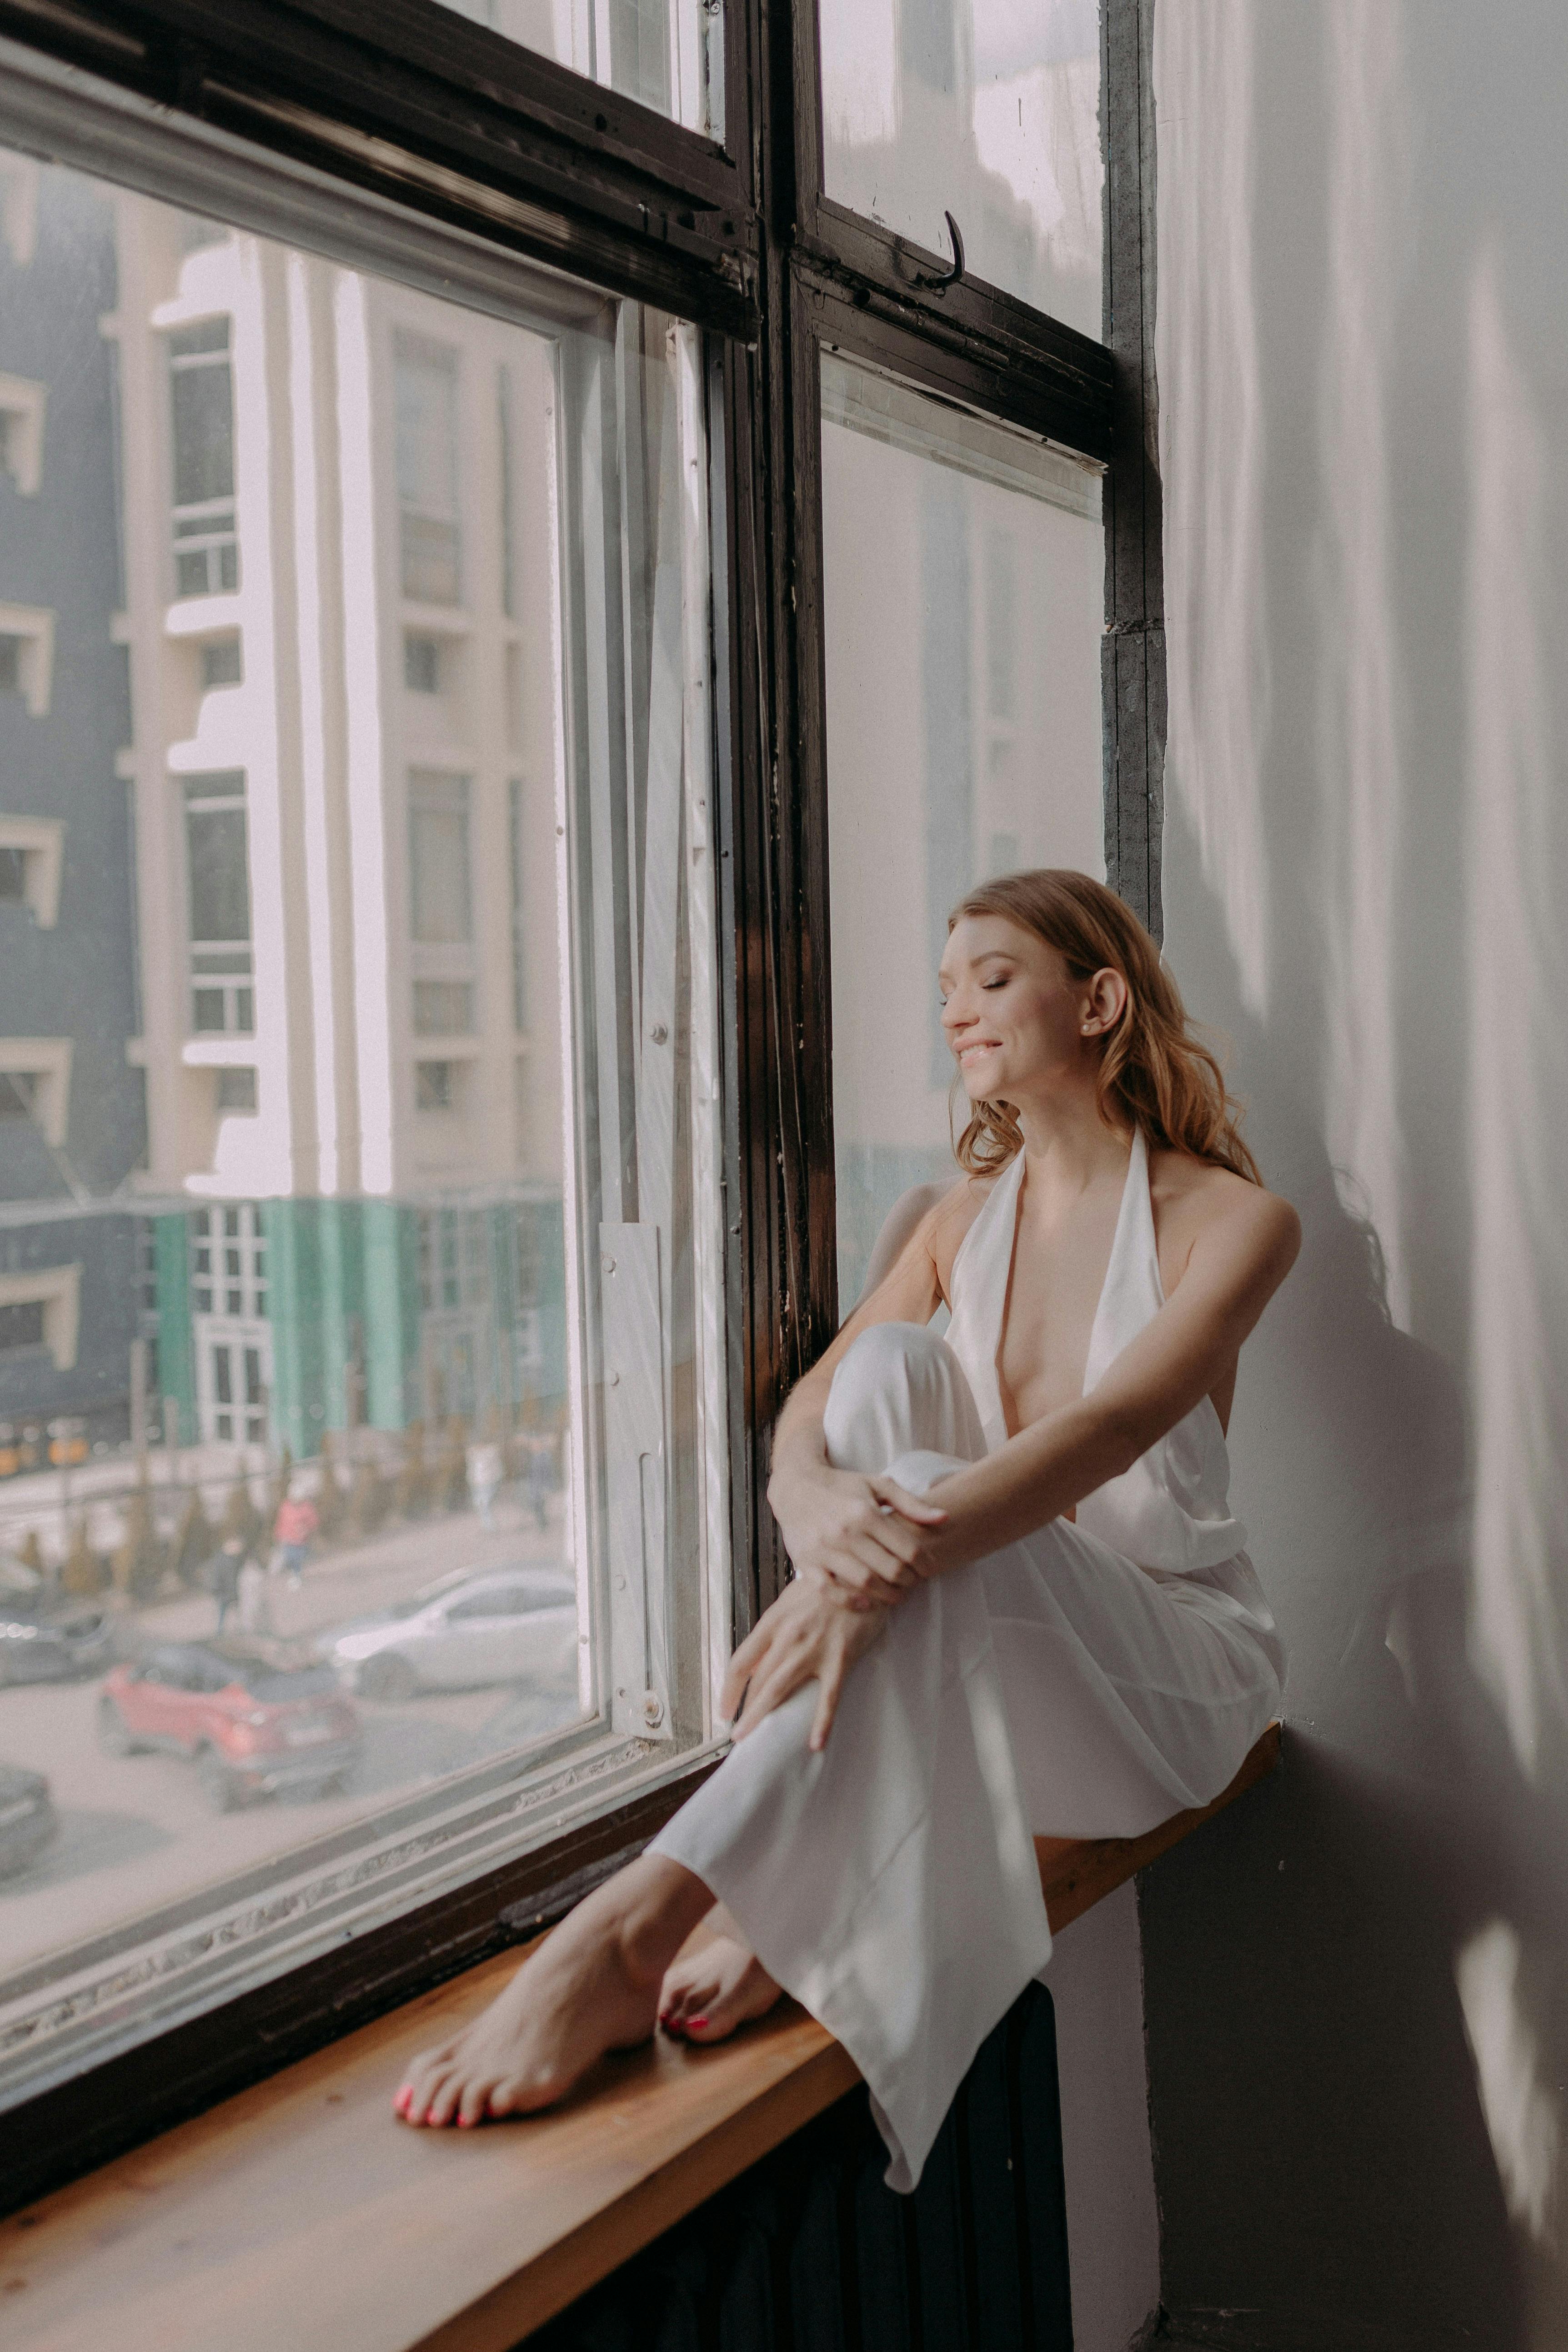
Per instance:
{"type": "Point", "coordinates": [201, 409]}
{"type": "Point", "coordinates": [236, 1089]}
{"type": "Point", "coordinates": [27, 655]}
{"type": "Point", "coordinates": [421, 663]}
{"type": "Point", "coordinates": [218, 873]}
{"type": "Point", "coordinates": [233, 1244]}
{"type": "Point", "coordinates": [443, 1008]}
{"type": "Point", "coordinates": [35, 1084]}
{"type": "Point", "coordinates": [426, 380]}
{"type": "Point", "coordinates": [221, 661]}
{"type": "Point", "coordinates": [438, 1085]}
{"type": "Point", "coordinates": [42, 1308]}
{"type": "Point", "coordinates": [441, 921]}
{"type": "Point", "coordinates": [30, 857]}
{"type": "Point", "coordinates": [440, 881]}
{"type": "Point", "coordinates": [22, 432]}
{"type": "Point", "coordinates": [21, 1324]}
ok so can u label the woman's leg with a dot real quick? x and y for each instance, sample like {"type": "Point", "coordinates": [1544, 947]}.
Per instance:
{"type": "Point", "coordinates": [596, 1983]}
{"type": "Point", "coordinates": [889, 1881]}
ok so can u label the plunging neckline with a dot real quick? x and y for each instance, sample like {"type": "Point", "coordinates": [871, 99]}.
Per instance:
{"type": "Point", "coordinates": [1015, 1175]}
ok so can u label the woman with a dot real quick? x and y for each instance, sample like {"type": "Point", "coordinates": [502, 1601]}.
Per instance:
{"type": "Point", "coordinates": [1020, 1607]}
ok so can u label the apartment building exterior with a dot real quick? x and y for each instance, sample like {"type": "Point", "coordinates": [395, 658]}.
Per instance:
{"type": "Point", "coordinates": [313, 669]}
{"type": "Point", "coordinates": [73, 1131]}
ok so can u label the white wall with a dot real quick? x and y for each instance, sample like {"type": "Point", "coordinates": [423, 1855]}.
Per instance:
{"type": "Point", "coordinates": [1354, 1994]}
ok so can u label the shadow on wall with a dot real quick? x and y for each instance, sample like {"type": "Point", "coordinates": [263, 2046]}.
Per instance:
{"type": "Point", "coordinates": [1325, 2172]}
{"type": "Point", "coordinates": [1357, 2032]}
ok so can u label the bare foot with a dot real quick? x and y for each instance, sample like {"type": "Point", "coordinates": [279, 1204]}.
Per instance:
{"type": "Point", "coordinates": [707, 1993]}
{"type": "Point", "coordinates": [593, 1986]}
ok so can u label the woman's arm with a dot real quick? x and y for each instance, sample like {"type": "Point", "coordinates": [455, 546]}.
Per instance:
{"type": "Point", "coordinates": [1237, 1263]}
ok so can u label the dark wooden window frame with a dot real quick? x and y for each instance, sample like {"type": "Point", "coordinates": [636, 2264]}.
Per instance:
{"type": "Point", "coordinates": [446, 118]}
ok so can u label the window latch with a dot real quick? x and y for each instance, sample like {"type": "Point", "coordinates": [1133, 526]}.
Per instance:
{"type": "Point", "coordinates": [935, 282]}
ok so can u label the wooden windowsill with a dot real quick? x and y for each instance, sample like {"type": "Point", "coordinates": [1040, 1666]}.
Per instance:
{"type": "Point", "coordinates": [300, 2213]}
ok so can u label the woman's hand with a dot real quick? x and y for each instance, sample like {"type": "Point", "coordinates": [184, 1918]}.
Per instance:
{"type": "Point", "coordinates": [810, 1634]}
{"type": "Point", "coordinates": [866, 1537]}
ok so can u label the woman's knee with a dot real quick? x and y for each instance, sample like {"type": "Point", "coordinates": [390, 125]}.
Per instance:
{"type": "Point", "coordinates": [897, 1389]}
{"type": "Point", "coordinates": [883, 1348]}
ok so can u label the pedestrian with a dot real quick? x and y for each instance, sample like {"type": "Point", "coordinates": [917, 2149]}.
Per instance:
{"type": "Point", "coordinates": [292, 1529]}
{"type": "Point", "coordinates": [222, 1573]}
{"type": "Point", "coordinates": [484, 1465]}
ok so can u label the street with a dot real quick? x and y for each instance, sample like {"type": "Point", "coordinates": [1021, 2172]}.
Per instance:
{"type": "Point", "coordinates": [136, 1831]}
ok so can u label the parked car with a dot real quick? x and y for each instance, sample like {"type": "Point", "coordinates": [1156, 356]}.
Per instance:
{"type": "Point", "coordinates": [44, 1640]}
{"type": "Point", "coordinates": [472, 1627]}
{"type": "Point", "coordinates": [257, 1717]}
{"type": "Point", "coordinates": [56, 1646]}
{"type": "Point", "coordinates": [28, 1821]}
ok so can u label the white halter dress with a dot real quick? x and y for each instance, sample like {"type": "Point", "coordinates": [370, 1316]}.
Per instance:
{"type": "Point", "coordinates": [1087, 1681]}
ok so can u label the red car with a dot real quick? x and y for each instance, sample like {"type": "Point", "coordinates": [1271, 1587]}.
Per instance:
{"type": "Point", "coordinates": [257, 1717]}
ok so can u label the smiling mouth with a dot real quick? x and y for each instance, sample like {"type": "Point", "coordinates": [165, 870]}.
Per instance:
{"type": "Point", "coordinates": [982, 1045]}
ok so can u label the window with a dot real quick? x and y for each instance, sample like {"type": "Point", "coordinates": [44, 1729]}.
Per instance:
{"type": "Point", "coordinates": [21, 1323]}
{"type": "Point", "coordinates": [341, 1155]}
{"type": "Point", "coordinates": [422, 664]}
{"type": "Point", "coordinates": [947, 759]}
{"type": "Point", "coordinates": [229, 1336]}
{"type": "Point", "coordinates": [22, 407]}
{"type": "Point", "coordinates": [427, 394]}
{"type": "Point", "coordinates": [221, 663]}
{"type": "Point", "coordinates": [218, 874]}
{"type": "Point", "coordinates": [441, 924]}
{"type": "Point", "coordinates": [443, 1008]}
{"type": "Point", "coordinates": [35, 1084]}
{"type": "Point", "coordinates": [666, 54]}
{"type": "Point", "coordinates": [201, 411]}
{"type": "Point", "coordinates": [27, 655]}
{"type": "Point", "coordinates": [992, 111]}
{"type": "Point", "coordinates": [541, 712]}
{"type": "Point", "coordinates": [441, 883]}
{"type": "Point", "coordinates": [40, 1310]}
{"type": "Point", "coordinates": [438, 1085]}
{"type": "Point", "coordinates": [30, 854]}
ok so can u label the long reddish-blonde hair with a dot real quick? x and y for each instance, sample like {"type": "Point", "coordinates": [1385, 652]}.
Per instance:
{"type": "Point", "coordinates": [1153, 1073]}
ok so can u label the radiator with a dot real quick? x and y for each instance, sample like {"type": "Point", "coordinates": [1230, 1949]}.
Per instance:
{"type": "Point", "coordinates": [809, 2251]}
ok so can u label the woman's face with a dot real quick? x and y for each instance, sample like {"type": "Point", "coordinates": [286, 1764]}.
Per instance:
{"type": "Point", "coordinates": [1014, 1017]}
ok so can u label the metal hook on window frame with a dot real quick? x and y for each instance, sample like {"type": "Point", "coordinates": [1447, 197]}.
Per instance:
{"type": "Point", "coordinates": [935, 282]}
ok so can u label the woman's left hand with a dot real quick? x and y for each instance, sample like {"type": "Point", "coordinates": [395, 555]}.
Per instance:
{"type": "Point", "coordinates": [810, 1634]}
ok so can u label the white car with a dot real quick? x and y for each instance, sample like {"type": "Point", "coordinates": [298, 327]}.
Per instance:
{"type": "Point", "coordinates": [472, 1627]}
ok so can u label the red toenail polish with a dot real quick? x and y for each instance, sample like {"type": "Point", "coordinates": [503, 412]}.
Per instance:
{"type": "Point", "coordinates": [698, 2023]}
{"type": "Point", "coordinates": [465, 2123]}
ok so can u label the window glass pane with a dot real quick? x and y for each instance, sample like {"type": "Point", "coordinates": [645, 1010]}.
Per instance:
{"type": "Point", "coordinates": [985, 109]}
{"type": "Point", "coordinates": [964, 586]}
{"type": "Point", "coordinates": [220, 888]}
{"type": "Point", "coordinates": [325, 1284]}
{"type": "Point", "coordinates": [667, 54]}
{"type": "Point", "coordinates": [439, 858]}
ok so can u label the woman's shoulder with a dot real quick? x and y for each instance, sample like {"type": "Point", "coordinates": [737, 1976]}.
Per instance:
{"type": "Point", "coordinates": [1194, 1198]}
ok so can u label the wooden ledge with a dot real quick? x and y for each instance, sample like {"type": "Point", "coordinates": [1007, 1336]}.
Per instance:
{"type": "Point", "coordinates": [1077, 1872]}
{"type": "Point", "coordinates": [300, 2213]}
